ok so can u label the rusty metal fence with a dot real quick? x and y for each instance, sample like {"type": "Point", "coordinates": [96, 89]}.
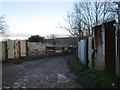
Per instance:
{"type": "Point", "coordinates": [12, 49]}
{"type": "Point", "coordinates": [101, 51]}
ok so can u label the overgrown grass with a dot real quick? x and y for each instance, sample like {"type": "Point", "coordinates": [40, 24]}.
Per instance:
{"type": "Point", "coordinates": [15, 61]}
{"type": "Point", "coordinates": [33, 57]}
{"type": "Point", "coordinates": [76, 65]}
{"type": "Point", "coordinates": [104, 79]}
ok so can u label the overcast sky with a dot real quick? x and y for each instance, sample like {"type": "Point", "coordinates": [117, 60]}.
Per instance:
{"type": "Point", "coordinates": [30, 18]}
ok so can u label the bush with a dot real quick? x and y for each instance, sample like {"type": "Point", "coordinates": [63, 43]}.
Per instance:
{"type": "Point", "coordinates": [36, 38]}
{"type": "Point", "coordinates": [104, 79]}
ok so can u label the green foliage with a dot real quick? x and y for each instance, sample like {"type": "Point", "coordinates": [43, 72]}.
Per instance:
{"type": "Point", "coordinates": [33, 57]}
{"type": "Point", "coordinates": [104, 79]}
{"type": "Point", "coordinates": [36, 38]}
{"type": "Point", "coordinates": [15, 61]}
{"type": "Point", "coordinates": [76, 65]}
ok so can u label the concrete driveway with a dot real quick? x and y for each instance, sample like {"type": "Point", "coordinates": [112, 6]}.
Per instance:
{"type": "Point", "coordinates": [52, 72]}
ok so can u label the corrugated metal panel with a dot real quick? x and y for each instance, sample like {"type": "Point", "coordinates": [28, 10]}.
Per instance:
{"type": "Point", "coordinates": [10, 48]}
{"type": "Point", "coordinates": [110, 47]}
{"type": "Point", "coordinates": [4, 51]}
{"type": "Point", "coordinates": [82, 51]}
{"type": "Point", "coordinates": [0, 51]}
{"type": "Point", "coordinates": [90, 52]}
{"type": "Point", "coordinates": [118, 54]}
{"type": "Point", "coordinates": [17, 49]}
{"type": "Point", "coordinates": [23, 47]}
{"type": "Point", "coordinates": [104, 47]}
{"type": "Point", "coordinates": [99, 62]}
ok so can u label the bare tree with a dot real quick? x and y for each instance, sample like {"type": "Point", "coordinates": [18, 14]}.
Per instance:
{"type": "Point", "coordinates": [72, 26]}
{"type": "Point", "coordinates": [93, 13]}
{"type": "Point", "coordinates": [86, 15]}
{"type": "Point", "coordinates": [51, 36]}
{"type": "Point", "coordinates": [115, 8]}
{"type": "Point", "coordinates": [52, 39]}
{"type": "Point", "coordinates": [3, 25]}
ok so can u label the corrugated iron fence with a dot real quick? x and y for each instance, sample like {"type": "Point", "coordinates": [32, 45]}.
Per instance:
{"type": "Point", "coordinates": [101, 51]}
{"type": "Point", "coordinates": [3, 51]}
{"type": "Point", "coordinates": [12, 49]}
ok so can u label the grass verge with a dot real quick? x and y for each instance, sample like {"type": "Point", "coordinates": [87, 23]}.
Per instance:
{"type": "Point", "coordinates": [33, 57]}
{"type": "Point", "coordinates": [104, 79]}
{"type": "Point", "coordinates": [77, 66]}
{"type": "Point", "coordinates": [15, 61]}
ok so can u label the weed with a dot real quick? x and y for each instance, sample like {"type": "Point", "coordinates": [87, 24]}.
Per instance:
{"type": "Point", "coordinates": [104, 79]}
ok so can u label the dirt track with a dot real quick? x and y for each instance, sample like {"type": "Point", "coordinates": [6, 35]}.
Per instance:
{"type": "Point", "coordinates": [50, 72]}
